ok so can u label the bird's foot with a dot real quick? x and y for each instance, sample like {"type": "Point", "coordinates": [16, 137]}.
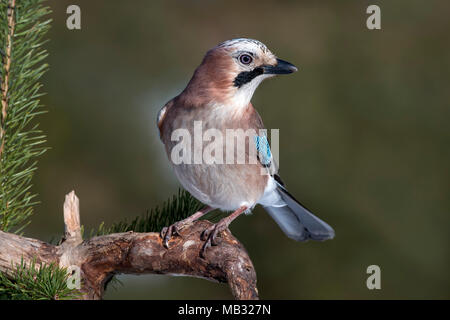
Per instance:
{"type": "Point", "coordinates": [209, 235]}
{"type": "Point", "coordinates": [173, 230]}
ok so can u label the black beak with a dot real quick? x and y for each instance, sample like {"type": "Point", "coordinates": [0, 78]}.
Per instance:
{"type": "Point", "coordinates": [282, 67]}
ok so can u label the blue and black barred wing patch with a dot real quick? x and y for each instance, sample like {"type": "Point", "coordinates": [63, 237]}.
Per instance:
{"type": "Point", "coordinates": [263, 150]}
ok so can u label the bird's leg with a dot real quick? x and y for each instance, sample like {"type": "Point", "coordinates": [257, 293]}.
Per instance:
{"type": "Point", "coordinates": [168, 232]}
{"type": "Point", "coordinates": [210, 234]}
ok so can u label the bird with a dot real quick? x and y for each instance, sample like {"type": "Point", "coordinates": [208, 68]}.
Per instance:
{"type": "Point", "coordinates": [218, 97]}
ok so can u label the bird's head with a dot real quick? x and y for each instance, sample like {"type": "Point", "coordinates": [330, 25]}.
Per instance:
{"type": "Point", "coordinates": [231, 71]}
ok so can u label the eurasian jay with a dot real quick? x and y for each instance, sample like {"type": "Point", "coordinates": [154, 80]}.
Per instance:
{"type": "Point", "coordinates": [217, 98]}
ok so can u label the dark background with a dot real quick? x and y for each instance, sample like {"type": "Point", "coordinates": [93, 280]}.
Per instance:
{"type": "Point", "coordinates": [364, 135]}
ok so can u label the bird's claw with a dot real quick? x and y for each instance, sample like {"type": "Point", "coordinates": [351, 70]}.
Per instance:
{"type": "Point", "coordinates": [209, 235]}
{"type": "Point", "coordinates": [172, 230]}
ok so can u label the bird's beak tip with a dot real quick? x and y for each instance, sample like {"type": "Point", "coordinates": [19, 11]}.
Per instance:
{"type": "Point", "coordinates": [287, 66]}
{"type": "Point", "coordinates": [282, 67]}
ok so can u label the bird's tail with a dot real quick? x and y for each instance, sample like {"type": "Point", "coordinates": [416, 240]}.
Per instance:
{"type": "Point", "coordinates": [296, 221]}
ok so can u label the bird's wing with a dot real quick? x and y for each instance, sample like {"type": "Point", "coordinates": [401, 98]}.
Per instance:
{"type": "Point", "coordinates": [265, 155]}
{"type": "Point", "coordinates": [263, 150]}
{"type": "Point", "coordinates": [262, 145]}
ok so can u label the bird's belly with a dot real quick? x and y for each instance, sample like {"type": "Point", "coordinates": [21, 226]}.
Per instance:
{"type": "Point", "coordinates": [223, 186]}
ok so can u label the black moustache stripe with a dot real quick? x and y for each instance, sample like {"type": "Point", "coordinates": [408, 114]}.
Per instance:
{"type": "Point", "coordinates": [247, 76]}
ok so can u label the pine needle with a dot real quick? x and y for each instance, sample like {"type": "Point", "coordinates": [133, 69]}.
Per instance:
{"type": "Point", "coordinates": [178, 207]}
{"type": "Point", "coordinates": [22, 28]}
{"type": "Point", "coordinates": [43, 282]}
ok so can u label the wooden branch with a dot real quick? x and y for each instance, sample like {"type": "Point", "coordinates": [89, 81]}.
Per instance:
{"type": "Point", "coordinates": [137, 253]}
{"type": "Point", "coordinates": [72, 219]}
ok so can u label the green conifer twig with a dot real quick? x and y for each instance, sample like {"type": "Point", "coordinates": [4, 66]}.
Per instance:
{"type": "Point", "coordinates": [37, 282]}
{"type": "Point", "coordinates": [174, 209]}
{"type": "Point", "coordinates": [22, 27]}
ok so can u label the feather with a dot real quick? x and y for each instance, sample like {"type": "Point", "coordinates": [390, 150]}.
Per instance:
{"type": "Point", "coordinates": [295, 220]}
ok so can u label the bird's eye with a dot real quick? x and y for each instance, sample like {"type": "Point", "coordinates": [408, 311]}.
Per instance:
{"type": "Point", "coordinates": [245, 59]}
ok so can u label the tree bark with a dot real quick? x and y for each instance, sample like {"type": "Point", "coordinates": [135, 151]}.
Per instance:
{"type": "Point", "coordinates": [100, 258]}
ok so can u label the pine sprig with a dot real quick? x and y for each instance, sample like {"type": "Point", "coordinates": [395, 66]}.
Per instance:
{"type": "Point", "coordinates": [22, 28]}
{"type": "Point", "coordinates": [178, 207]}
{"type": "Point", "coordinates": [43, 282]}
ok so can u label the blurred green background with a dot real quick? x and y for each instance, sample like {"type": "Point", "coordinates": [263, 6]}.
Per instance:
{"type": "Point", "coordinates": [364, 135]}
